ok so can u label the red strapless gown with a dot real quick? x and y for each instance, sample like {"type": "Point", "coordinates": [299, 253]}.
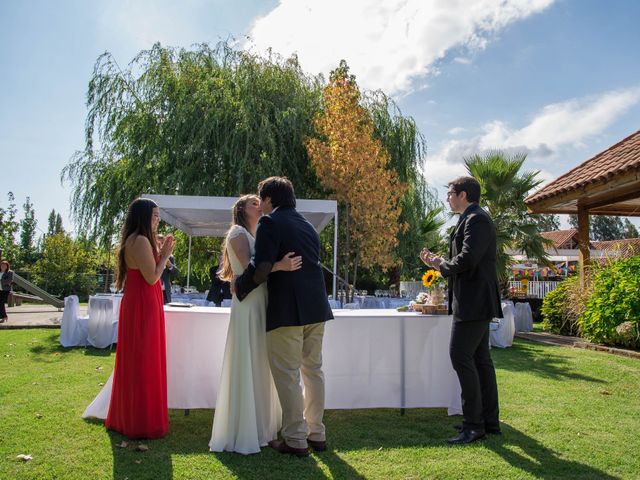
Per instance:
{"type": "Point", "coordinates": [138, 407]}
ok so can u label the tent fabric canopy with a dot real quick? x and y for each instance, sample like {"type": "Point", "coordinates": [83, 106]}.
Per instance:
{"type": "Point", "coordinates": [200, 216]}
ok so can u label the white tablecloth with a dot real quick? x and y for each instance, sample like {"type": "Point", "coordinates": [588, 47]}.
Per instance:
{"type": "Point", "coordinates": [371, 358]}
{"type": "Point", "coordinates": [103, 313]}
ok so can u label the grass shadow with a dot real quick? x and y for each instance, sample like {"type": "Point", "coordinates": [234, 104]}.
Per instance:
{"type": "Point", "coordinates": [261, 465]}
{"type": "Point", "coordinates": [530, 357]}
{"type": "Point", "coordinates": [526, 453]}
{"type": "Point", "coordinates": [128, 462]}
{"type": "Point", "coordinates": [47, 346]}
{"type": "Point", "coordinates": [189, 436]}
{"type": "Point", "coordinates": [350, 432]}
{"type": "Point", "coordinates": [99, 352]}
{"type": "Point", "coordinates": [50, 345]}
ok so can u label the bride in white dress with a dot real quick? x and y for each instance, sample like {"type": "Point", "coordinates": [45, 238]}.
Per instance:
{"type": "Point", "coordinates": [248, 414]}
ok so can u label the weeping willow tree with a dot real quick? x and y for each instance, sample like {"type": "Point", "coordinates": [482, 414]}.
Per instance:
{"type": "Point", "coordinates": [212, 121]}
{"type": "Point", "coordinates": [407, 149]}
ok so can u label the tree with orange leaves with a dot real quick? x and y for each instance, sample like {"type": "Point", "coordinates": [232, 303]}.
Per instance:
{"type": "Point", "coordinates": [352, 164]}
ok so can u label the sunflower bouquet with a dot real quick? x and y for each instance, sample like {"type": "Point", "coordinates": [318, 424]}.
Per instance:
{"type": "Point", "coordinates": [432, 278]}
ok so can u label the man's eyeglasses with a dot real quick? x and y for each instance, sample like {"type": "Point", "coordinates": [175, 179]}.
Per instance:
{"type": "Point", "coordinates": [451, 193]}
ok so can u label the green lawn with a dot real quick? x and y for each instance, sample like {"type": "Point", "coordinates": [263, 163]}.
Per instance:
{"type": "Point", "coordinates": [567, 413]}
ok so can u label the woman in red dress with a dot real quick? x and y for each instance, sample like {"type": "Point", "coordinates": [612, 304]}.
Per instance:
{"type": "Point", "coordinates": [138, 407]}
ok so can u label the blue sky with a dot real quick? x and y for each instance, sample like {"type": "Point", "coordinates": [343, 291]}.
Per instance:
{"type": "Point", "coordinates": [558, 79]}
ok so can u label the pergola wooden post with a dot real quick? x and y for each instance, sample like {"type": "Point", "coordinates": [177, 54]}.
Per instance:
{"type": "Point", "coordinates": [583, 243]}
{"type": "Point", "coordinates": [607, 184]}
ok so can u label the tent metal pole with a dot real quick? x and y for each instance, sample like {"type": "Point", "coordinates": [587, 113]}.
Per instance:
{"type": "Point", "coordinates": [335, 255]}
{"type": "Point", "coordinates": [189, 263]}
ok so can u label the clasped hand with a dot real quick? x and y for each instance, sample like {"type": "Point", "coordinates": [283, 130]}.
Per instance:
{"type": "Point", "coordinates": [167, 247]}
{"type": "Point", "coordinates": [430, 258]}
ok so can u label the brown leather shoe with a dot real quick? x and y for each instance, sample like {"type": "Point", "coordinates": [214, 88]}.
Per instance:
{"type": "Point", "coordinates": [318, 445]}
{"type": "Point", "coordinates": [282, 447]}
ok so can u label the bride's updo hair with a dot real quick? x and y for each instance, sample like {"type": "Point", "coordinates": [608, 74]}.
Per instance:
{"type": "Point", "coordinates": [239, 217]}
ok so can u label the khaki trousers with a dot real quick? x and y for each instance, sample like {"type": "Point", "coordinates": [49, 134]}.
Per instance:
{"type": "Point", "coordinates": [292, 351]}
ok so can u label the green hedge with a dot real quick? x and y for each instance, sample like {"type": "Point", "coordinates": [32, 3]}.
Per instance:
{"type": "Point", "coordinates": [612, 314]}
{"type": "Point", "coordinates": [557, 315]}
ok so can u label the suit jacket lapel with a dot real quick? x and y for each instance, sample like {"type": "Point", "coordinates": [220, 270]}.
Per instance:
{"type": "Point", "coordinates": [461, 220]}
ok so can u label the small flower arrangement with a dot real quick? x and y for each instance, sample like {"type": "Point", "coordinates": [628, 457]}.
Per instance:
{"type": "Point", "coordinates": [422, 298]}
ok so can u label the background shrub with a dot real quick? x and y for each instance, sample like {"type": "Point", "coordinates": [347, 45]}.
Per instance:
{"type": "Point", "coordinates": [614, 299]}
{"type": "Point", "coordinates": [559, 314]}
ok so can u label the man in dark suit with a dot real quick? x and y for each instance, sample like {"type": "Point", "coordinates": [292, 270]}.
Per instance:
{"type": "Point", "coordinates": [219, 289]}
{"type": "Point", "coordinates": [474, 299]}
{"type": "Point", "coordinates": [297, 309]}
{"type": "Point", "coordinates": [170, 272]}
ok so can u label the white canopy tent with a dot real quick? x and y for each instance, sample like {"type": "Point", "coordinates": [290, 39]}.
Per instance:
{"type": "Point", "coordinates": [200, 216]}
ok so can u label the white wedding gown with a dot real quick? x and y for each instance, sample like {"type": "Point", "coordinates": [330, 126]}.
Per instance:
{"type": "Point", "coordinates": [248, 413]}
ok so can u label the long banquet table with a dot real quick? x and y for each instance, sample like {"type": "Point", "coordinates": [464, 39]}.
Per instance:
{"type": "Point", "coordinates": [371, 359]}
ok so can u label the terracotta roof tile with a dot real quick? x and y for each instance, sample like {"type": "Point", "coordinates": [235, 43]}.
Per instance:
{"type": "Point", "coordinates": [559, 237]}
{"type": "Point", "coordinates": [621, 157]}
{"type": "Point", "coordinates": [627, 246]}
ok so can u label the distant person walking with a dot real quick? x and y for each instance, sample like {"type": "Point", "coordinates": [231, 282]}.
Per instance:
{"type": "Point", "coordinates": [6, 279]}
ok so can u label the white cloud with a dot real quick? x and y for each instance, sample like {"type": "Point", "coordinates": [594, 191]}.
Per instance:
{"type": "Point", "coordinates": [560, 124]}
{"type": "Point", "coordinates": [555, 129]}
{"type": "Point", "coordinates": [388, 45]}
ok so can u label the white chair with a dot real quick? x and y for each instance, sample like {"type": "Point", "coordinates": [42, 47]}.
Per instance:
{"type": "Point", "coordinates": [101, 322]}
{"type": "Point", "coordinates": [73, 327]}
{"type": "Point", "coordinates": [502, 335]}
{"type": "Point", "coordinates": [352, 306]}
{"type": "Point", "coordinates": [523, 317]}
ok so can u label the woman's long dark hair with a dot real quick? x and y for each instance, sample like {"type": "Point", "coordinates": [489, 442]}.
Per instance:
{"type": "Point", "coordinates": [239, 217]}
{"type": "Point", "coordinates": [137, 221]}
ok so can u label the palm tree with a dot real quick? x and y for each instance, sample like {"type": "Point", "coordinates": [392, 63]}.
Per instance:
{"type": "Point", "coordinates": [504, 189]}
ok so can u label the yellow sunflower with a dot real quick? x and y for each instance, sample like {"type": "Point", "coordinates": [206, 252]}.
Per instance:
{"type": "Point", "coordinates": [429, 277]}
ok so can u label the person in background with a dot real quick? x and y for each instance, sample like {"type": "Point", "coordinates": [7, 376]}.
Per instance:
{"type": "Point", "coordinates": [138, 406]}
{"type": "Point", "coordinates": [6, 279]}
{"type": "Point", "coordinates": [474, 300]}
{"type": "Point", "coordinates": [219, 289]}
{"type": "Point", "coordinates": [170, 272]}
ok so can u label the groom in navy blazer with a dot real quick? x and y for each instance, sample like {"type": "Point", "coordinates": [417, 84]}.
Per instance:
{"type": "Point", "coordinates": [297, 309]}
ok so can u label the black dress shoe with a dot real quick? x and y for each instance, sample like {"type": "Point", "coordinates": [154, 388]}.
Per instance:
{"type": "Point", "coordinates": [318, 445]}
{"type": "Point", "coordinates": [493, 431]}
{"type": "Point", "coordinates": [466, 436]}
{"type": "Point", "coordinates": [282, 447]}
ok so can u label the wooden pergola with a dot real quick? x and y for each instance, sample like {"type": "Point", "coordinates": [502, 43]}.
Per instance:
{"type": "Point", "coordinates": [607, 184]}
